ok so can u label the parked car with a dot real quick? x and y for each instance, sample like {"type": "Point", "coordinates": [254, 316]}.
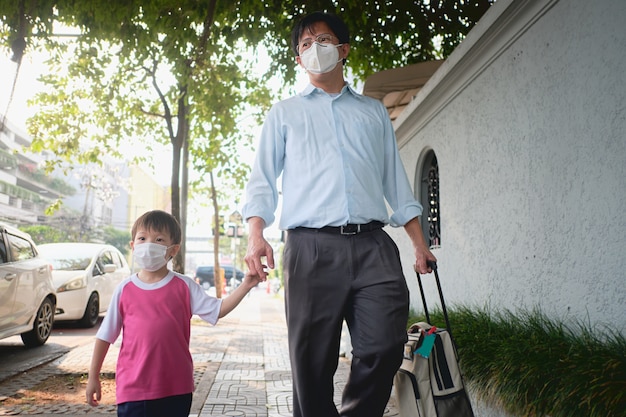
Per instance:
{"type": "Point", "coordinates": [85, 276]}
{"type": "Point", "coordinates": [27, 295]}
{"type": "Point", "coordinates": [205, 275]}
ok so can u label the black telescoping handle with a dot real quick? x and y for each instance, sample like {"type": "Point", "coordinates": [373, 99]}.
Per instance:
{"type": "Point", "coordinates": [433, 266]}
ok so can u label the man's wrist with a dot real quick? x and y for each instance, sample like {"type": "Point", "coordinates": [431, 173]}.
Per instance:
{"type": "Point", "coordinates": [256, 226]}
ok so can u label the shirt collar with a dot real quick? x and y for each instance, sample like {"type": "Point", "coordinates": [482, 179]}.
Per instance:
{"type": "Point", "coordinates": [310, 88]}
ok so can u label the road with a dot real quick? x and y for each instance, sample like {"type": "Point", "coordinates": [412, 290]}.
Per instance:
{"type": "Point", "coordinates": [15, 358]}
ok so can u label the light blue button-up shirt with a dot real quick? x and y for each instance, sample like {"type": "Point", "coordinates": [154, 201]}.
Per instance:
{"type": "Point", "coordinates": [339, 163]}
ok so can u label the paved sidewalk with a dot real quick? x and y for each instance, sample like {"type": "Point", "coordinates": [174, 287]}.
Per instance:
{"type": "Point", "coordinates": [241, 367]}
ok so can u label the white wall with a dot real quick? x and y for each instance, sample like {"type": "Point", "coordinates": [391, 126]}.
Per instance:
{"type": "Point", "coordinates": [528, 122]}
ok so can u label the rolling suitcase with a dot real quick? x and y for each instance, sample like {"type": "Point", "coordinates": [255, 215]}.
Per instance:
{"type": "Point", "coordinates": [429, 382]}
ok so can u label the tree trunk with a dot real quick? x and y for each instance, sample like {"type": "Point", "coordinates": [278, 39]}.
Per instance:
{"type": "Point", "coordinates": [179, 143]}
{"type": "Point", "coordinates": [219, 288]}
{"type": "Point", "coordinates": [184, 197]}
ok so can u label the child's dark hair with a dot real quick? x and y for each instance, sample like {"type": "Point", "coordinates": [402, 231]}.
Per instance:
{"type": "Point", "coordinates": [339, 28]}
{"type": "Point", "coordinates": [159, 220]}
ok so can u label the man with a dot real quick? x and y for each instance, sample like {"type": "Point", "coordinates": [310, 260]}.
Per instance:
{"type": "Point", "coordinates": [337, 153]}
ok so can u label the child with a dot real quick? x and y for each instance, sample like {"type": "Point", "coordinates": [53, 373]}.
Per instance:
{"type": "Point", "coordinates": [154, 308]}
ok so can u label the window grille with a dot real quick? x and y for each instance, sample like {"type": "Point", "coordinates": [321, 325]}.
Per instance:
{"type": "Point", "coordinates": [431, 217]}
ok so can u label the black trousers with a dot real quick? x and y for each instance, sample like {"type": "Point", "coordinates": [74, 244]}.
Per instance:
{"type": "Point", "coordinates": [175, 406]}
{"type": "Point", "coordinates": [329, 278]}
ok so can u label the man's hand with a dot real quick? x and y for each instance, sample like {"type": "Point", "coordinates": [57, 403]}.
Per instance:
{"type": "Point", "coordinates": [258, 248]}
{"type": "Point", "coordinates": [422, 259]}
{"type": "Point", "coordinates": [422, 254]}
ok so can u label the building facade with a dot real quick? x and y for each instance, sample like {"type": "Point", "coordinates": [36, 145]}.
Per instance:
{"type": "Point", "coordinates": [516, 147]}
{"type": "Point", "coordinates": [25, 188]}
{"type": "Point", "coordinates": [93, 196]}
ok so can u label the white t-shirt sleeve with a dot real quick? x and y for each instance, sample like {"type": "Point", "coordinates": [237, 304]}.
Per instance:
{"type": "Point", "coordinates": [202, 304]}
{"type": "Point", "coordinates": [111, 326]}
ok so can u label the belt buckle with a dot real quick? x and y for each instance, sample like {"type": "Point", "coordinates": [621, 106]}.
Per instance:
{"type": "Point", "coordinates": [349, 229]}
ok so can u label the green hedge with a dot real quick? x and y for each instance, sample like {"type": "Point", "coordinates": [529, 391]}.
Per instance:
{"type": "Point", "coordinates": [534, 366]}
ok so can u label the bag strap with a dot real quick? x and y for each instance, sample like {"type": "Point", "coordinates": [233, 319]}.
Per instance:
{"type": "Point", "coordinates": [433, 266]}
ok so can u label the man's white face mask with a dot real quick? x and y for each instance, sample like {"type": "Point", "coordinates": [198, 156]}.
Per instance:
{"type": "Point", "coordinates": [320, 58]}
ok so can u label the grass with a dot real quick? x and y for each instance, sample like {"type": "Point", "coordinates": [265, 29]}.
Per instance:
{"type": "Point", "coordinates": [534, 366]}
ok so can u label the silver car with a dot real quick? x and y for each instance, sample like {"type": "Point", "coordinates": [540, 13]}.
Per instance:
{"type": "Point", "coordinates": [27, 295]}
{"type": "Point", "coordinates": [85, 276]}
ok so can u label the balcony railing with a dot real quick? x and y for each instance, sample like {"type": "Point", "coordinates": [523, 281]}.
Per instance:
{"type": "Point", "coordinates": [17, 192]}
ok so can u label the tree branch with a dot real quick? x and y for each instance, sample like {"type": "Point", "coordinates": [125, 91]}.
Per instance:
{"type": "Point", "coordinates": [167, 112]}
{"type": "Point", "coordinates": [206, 30]}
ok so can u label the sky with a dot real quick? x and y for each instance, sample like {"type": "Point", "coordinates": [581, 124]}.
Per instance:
{"type": "Point", "coordinates": [26, 87]}
{"type": "Point", "coordinates": [17, 110]}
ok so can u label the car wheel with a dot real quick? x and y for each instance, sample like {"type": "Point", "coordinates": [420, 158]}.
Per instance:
{"type": "Point", "coordinates": [92, 312]}
{"type": "Point", "coordinates": [206, 286]}
{"type": "Point", "coordinates": [42, 327]}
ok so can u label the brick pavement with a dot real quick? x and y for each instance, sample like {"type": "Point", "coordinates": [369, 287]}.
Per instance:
{"type": "Point", "coordinates": [241, 368]}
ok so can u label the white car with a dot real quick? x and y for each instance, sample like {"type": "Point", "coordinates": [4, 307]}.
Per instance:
{"type": "Point", "coordinates": [85, 276]}
{"type": "Point", "coordinates": [27, 296]}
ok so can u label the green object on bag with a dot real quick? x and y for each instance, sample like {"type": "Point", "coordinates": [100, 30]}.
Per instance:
{"type": "Point", "coordinates": [427, 346]}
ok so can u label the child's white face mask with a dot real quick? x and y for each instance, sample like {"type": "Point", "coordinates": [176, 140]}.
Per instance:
{"type": "Point", "coordinates": [320, 58]}
{"type": "Point", "coordinates": [150, 256]}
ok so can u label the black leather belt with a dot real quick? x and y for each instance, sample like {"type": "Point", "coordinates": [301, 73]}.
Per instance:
{"type": "Point", "coordinates": [348, 229]}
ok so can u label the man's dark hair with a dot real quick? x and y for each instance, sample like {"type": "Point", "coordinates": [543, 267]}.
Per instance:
{"type": "Point", "coordinates": [335, 24]}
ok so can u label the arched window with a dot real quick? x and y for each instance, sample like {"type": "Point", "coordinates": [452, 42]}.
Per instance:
{"type": "Point", "coordinates": [429, 198]}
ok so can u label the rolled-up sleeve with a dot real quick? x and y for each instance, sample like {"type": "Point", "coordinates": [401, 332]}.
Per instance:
{"type": "Point", "coordinates": [261, 190]}
{"type": "Point", "coordinates": [397, 188]}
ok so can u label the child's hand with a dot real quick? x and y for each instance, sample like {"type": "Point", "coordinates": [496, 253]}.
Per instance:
{"type": "Point", "coordinates": [252, 279]}
{"type": "Point", "coordinates": [94, 391]}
